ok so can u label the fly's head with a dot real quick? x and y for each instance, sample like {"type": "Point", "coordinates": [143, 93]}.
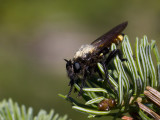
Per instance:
{"type": "Point", "coordinates": [73, 70]}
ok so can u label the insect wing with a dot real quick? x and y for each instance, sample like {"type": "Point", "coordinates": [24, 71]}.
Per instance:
{"type": "Point", "coordinates": [107, 39]}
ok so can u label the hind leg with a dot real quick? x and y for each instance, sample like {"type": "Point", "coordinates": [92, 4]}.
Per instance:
{"type": "Point", "coordinates": [105, 64]}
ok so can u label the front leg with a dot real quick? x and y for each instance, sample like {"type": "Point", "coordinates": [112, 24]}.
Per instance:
{"type": "Point", "coordinates": [71, 83]}
{"type": "Point", "coordinates": [83, 80]}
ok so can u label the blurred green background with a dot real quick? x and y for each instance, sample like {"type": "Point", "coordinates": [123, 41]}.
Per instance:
{"type": "Point", "coordinates": [35, 37]}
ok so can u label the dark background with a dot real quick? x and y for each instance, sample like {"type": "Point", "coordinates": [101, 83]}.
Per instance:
{"type": "Point", "coordinates": [35, 37]}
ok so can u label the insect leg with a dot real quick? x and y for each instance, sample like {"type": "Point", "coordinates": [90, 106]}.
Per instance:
{"type": "Point", "coordinates": [107, 77]}
{"type": "Point", "coordinates": [81, 87]}
{"type": "Point", "coordinates": [113, 54]}
{"type": "Point", "coordinates": [71, 83]}
{"type": "Point", "coordinates": [106, 73]}
{"type": "Point", "coordinates": [83, 81]}
{"type": "Point", "coordinates": [105, 64]}
{"type": "Point", "coordinates": [99, 72]}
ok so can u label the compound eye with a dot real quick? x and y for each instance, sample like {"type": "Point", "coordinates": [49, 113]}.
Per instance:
{"type": "Point", "coordinates": [77, 67]}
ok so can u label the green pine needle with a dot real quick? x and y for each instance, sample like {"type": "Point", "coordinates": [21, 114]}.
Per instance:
{"type": "Point", "coordinates": [12, 111]}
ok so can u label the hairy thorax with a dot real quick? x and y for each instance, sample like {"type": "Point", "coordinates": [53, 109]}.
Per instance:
{"type": "Point", "coordinates": [86, 55]}
{"type": "Point", "coordinates": [84, 51]}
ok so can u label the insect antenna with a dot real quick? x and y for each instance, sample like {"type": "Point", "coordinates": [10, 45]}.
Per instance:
{"type": "Point", "coordinates": [66, 60]}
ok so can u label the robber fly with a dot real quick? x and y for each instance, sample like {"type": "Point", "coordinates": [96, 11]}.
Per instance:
{"type": "Point", "coordinates": [84, 62]}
